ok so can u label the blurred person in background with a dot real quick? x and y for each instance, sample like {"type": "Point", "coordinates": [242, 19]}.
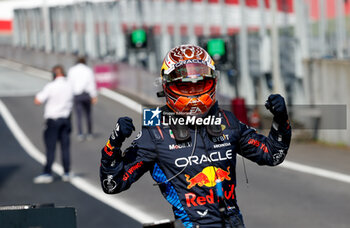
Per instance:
{"type": "Point", "coordinates": [81, 77]}
{"type": "Point", "coordinates": [193, 164]}
{"type": "Point", "coordinates": [58, 99]}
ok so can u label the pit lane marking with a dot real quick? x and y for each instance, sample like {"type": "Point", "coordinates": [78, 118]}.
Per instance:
{"type": "Point", "coordinates": [316, 171]}
{"type": "Point", "coordinates": [124, 100]}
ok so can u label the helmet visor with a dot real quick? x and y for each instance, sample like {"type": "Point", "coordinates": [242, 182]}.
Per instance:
{"type": "Point", "coordinates": [191, 88]}
{"type": "Point", "coordinates": [191, 72]}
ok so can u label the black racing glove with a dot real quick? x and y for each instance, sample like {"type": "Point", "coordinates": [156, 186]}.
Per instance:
{"type": "Point", "coordinates": [275, 103]}
{"type": "Point", "coordinates": [122, 130]}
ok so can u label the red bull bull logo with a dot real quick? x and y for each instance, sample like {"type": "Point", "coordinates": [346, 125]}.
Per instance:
{"type": "Point", "coordinates": [208, 176]}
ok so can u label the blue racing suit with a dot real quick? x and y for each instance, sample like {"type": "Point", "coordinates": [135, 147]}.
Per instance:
{"type": "Point", "coordinates": [186, 171]}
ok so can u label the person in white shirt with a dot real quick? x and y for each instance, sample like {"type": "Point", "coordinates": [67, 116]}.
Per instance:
{"type": "Point", "coordinates": [81, 77]}
{"type": "Point", "coordinates": [58, 99]}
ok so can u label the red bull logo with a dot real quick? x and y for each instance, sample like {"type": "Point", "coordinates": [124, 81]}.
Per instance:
{"type": "Point", "coordinates": [208, 176]}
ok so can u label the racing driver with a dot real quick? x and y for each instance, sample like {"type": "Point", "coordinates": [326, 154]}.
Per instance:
{"type": "Point", "coordinates": [189, 158]}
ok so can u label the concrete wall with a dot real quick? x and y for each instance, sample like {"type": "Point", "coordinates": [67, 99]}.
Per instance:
{"type": "Point", "coordinates": [327, 82]}
{"type": "Point", "coordinates": [36, 58]}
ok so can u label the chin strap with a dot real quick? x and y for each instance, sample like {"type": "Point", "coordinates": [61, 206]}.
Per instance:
{"type": "Point", "coordinates": [181, 132]}
{"type": "Point", "coordinates": [214, 130]}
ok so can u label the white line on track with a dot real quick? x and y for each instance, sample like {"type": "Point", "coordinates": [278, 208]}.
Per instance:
{"type": "Point", "coordinates": [126, 101]}
{"type": "Point", "coordinates": [78, 182]}
{"type": "Point", "coordinates": [316, 171]}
